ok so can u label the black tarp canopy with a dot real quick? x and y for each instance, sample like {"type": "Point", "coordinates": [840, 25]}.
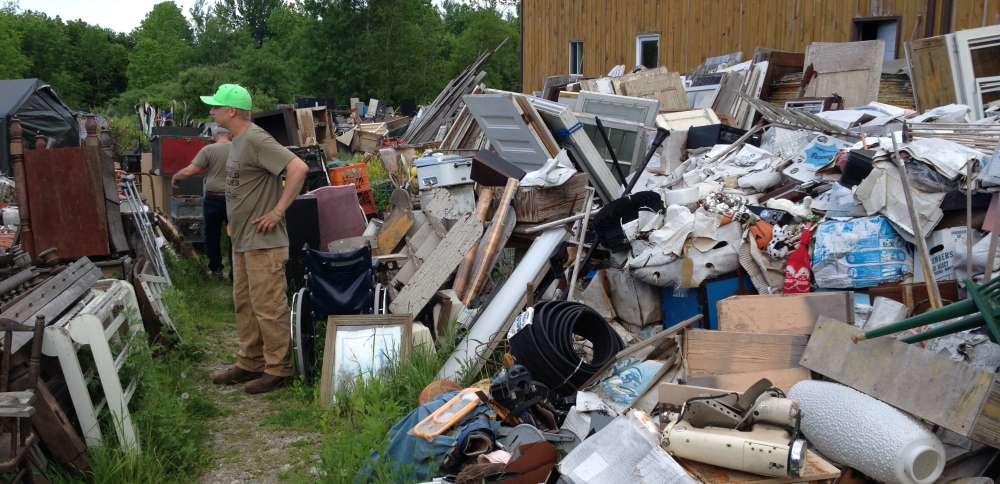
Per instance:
{"type": "Point", "coordinates": [40, 111]}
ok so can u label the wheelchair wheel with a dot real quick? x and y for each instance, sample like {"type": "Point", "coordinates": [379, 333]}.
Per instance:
{"type": "Point", "coordinates": [303, 335]}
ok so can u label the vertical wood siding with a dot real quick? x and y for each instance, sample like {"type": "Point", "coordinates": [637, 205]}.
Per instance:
{"type": "Point", "coordinates": [692, 30]}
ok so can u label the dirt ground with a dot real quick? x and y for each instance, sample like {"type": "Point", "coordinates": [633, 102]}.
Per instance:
{"type": "Point", "coordinates": [253, 442]}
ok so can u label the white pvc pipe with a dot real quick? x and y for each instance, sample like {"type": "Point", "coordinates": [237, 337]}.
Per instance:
{"type": "Point", "coordinates": [503, 304]}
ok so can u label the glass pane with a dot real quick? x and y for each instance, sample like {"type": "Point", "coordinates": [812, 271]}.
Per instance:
{"type": "Point", "coordinates": [650, 53]}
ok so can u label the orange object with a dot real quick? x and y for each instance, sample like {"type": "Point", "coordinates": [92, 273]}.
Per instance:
{"type": "Point", "coordinates": [435, 389]}
{"type": "Point", "coordinates": [448, 415]}
{"type": "Point", "coordinates": [367, 200]}
{"type": "Point", "coordinates": [345, 175]}
{"type": "Point", "coordinates": [761, 232]}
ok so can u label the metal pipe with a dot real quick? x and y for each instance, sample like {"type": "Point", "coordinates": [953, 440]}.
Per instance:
{"type": "Point", "coordinates": [611, 151]}
{"type": "Point", "coordinates": [15, 281]}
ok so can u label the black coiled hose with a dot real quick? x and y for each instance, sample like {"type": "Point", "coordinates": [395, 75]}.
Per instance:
{"type": "Point", "coordinates": [545, 347]}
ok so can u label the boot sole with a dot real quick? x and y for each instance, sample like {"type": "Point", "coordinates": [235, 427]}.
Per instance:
{"type": "Point", "coordinates": [250, 377]}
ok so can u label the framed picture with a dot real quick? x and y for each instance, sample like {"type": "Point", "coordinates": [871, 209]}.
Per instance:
{"type": "Point", "coordinates": [362, 344]}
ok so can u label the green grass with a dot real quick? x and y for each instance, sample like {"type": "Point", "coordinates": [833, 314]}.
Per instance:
{"type": "Point", "coordinates": [174, 417]}
{"type": "Point", "coordinates": [168, 412]}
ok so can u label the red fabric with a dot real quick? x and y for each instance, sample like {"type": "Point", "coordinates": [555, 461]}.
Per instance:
{"type": "Point", "coordinates": [798, 272]}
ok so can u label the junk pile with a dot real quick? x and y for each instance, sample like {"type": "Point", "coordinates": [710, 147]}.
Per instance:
{"type": "Point", "coordinates": [81, 268]}
{"type": "Point", "coordinates": [666, 278]}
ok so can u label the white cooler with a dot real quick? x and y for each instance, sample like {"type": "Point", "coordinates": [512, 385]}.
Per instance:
{"type": "Point", "coordinates": [440, 170]}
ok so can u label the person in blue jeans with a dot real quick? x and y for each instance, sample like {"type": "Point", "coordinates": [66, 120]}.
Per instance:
{"type": "Point", "coordinates": [212, 159]}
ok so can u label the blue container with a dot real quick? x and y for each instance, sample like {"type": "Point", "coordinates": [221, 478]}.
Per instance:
{"type": "Point", "coordinates": [701, 300]}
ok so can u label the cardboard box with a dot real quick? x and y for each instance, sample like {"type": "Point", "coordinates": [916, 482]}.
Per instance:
{"type": "Point", "coordinates": [783, 313]}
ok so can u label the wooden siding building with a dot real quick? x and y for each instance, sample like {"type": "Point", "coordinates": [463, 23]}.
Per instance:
{"type": "Point", "coordinates": [589, 37]}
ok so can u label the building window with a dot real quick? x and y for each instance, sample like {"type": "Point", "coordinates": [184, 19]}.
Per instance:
{"type": "Point", "coordinates": [647, 50]}
{"type": "Point", "coordinates": [576, 58]}
{"type": "Point", "coordinates": [875, 28]}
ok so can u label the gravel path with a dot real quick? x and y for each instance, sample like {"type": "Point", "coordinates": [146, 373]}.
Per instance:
{"type": "Point", "coordinates": [261, 438]}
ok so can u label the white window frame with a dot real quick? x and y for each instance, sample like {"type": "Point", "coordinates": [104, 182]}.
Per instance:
{"type": "Point", "coordinates": [639, 39]}
{"type": "Point", "coordinates": [579, 70]}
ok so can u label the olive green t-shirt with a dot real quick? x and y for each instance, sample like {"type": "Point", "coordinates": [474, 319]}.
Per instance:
{"type": "Point", "coordinates": [212, 158]}
{"type": "Point", "coordinates": [253, 187]}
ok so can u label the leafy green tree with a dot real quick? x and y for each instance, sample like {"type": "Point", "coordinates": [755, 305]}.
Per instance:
{"type": "Point", "coordinates": [13, 63]}
{"type": "Point", "coordinates": [253, 16]}
{"type": "Point", "coordinates": [275, 67]}
{"type": "Point", "coordinates": [163, 46]}
{"type": "Point", "coordinates": [474, 29]}
{"type": "Point", "coordinates": [98, 82]}
{"type": "Point", "coordinates": [218, 40]}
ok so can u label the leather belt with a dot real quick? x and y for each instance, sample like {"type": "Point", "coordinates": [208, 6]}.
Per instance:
{"type": "Point", "coordinates": [215, 193]}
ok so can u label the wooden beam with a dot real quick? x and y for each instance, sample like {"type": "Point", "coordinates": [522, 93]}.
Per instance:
{"type": "Point", "coordinates": [720, 352]}
{"type": "Point", "coordinates": [955, 395]}
{"type": "Point", "coordinates": [438, 266]}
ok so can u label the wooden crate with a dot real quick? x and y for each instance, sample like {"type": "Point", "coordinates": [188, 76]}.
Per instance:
{"type": "Point", "coordinates": [537, 204]}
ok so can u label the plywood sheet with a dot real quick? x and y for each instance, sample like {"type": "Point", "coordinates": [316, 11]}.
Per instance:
{"type": "Point", "coordinates": [711, 352]}
{"type": "Point", "coordinates": [930, 386]}
{"type": "Point", "coordinates": [850, 69]}
{"type": "Point", "coordinates": [817, 469]}
{"type": "Point", "coordinates": [783, 313]}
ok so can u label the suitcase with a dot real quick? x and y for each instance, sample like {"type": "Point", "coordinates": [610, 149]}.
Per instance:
{"type": "Point", "coordinates": [439, 170]}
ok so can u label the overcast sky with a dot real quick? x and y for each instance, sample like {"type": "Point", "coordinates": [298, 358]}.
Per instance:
{"type": "Point", "coordinates": [117, 15]}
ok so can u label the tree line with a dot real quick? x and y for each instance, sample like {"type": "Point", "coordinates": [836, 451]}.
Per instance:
{"type": "Point", "coordinates": [384, 49]}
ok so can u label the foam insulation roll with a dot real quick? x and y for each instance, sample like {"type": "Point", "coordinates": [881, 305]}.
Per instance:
{"type": "Point", "coordinates": [857, 430]}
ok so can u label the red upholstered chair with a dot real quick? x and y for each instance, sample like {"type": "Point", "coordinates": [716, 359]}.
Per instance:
{"type": "Point", "coordinates": [340, 214]}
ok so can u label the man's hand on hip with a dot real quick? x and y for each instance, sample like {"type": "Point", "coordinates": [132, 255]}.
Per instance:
{"type": "Point", "coordinates": [266, 222]}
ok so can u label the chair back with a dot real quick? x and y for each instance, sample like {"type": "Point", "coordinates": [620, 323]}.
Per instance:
{"type": "Point", "coordinates": [9, 326]}
{"type": "Point", "coordinates": [340, 284]}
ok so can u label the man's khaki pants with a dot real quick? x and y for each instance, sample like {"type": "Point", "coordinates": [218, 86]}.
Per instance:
{"type": "Point", "coordinates": [262, 313]}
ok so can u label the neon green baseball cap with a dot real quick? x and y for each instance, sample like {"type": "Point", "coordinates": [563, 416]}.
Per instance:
{"type": "Point", "coordinates": [229, 95]}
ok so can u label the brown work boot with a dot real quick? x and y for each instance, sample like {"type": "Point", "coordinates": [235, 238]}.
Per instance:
{"type": "Point", "coordinates": [235, 375]}
{"type": "Point", "coordinates": [267, 383]}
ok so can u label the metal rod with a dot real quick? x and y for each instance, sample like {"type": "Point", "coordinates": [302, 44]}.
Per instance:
{"type": "Point", "coordinates": [968, 216]}
{"type": "Point", "coordinates": [661, 136]}
{"type": "Point", "coordinates": [925, 258]}
{"type": "Point", "coordinates": [611, 151]}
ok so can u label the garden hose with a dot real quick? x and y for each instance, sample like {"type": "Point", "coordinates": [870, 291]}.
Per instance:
{"type": "Point", "coordinates": [546, 346]}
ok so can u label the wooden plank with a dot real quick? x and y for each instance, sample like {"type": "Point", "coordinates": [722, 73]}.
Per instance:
{"type": "Point", "coordinates": [930, 73]}
{"type": "Point", "coordinates": [740, 382]}
{"type": "Point", "coordinates": [711, 352]}
{"type": "Point", "coordinates": [52, 297]}
{"type": "Point", "coordinates": [307, 130]}
{"type": "Point", "coordinates": [392, 231]}
{"type": "Point", "coordinates": [783, 313]}
{"type": "Point", "coordinates": [853, 70]}
{"type": "Point", "coordinates": [56, 430]}
{"type": "Point", "coordinates": [933, 387]}
{"type": "Point", "coordinates": [817, 469]}
{"type": "Point", "coordinates": [438, 267]}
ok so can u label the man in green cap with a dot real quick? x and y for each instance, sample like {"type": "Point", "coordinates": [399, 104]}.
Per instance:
{"type": "Point", "coordinates": [255, 204]}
